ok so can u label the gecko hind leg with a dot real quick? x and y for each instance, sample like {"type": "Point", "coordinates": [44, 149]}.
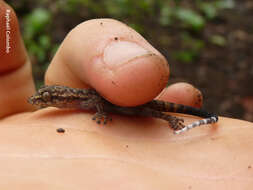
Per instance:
{"type": "Point", "coordinates": [175, 122]}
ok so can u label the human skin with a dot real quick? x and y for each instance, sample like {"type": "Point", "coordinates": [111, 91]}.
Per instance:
{"type": "Point", "coordinates": [130, 152]}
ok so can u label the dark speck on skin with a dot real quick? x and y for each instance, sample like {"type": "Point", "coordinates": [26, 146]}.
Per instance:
{"type": "Point", "coordinates": [113, 83]}
{"type": "Point", "coordinates": [249, 167]}
{"type": "Point", "coordinates": [116, 38]}
{"type": "Point", "coordinates": [60, 130]}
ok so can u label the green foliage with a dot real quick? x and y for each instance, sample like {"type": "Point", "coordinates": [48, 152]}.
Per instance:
{"type": "Point", "coordinates": [35, 22]}
{"type": "Point", "coordinates": [190, 18]}
{"type": "Point", "coordinates": [191, 48]}
{"type": "Point", "coordinates": [123, 8]}
{"type": "Point", "coordinates": [166, 16]}
{"type": "Point", "coordinates": [218, 40]}
{"type": "Point", "coordinates": [213, 8]}
{"type": "Point", "coordinates": [132, 11]}
{"type": "Point", "coordinates": [224, 4]}
{"type": "Point", "coordinates": [209, 10]}
{"type": "Point", "coordinates": [184, 55]}
{"type": "Point", "coordinates": [72, 6]}
{"type": "Point", "coordinates": [35, 37]}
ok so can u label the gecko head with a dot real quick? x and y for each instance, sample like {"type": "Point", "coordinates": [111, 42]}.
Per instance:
{"type": "Point", "coordinates": [42, 98]}
{"type": "Point", "coordinates": [56, 96]}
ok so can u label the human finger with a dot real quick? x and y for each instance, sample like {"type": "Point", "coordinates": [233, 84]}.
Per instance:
{"type": "Point", "coordinates": [111, 57]}
{"type": "Point", "coordinates": [16, 83]}
{"type": "Point", "coordinates": [182, 93]}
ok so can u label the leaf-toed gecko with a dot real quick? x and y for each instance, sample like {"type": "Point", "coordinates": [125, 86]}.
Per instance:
{"type": "Point", "coordinates": [89, 99]}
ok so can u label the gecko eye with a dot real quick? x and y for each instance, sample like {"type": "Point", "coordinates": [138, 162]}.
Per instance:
{"type": "Point", "coordinates": [46, 96]}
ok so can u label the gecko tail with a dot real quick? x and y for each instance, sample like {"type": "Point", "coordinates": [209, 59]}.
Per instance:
{"type": "Point", "coordinates": [205, 121]}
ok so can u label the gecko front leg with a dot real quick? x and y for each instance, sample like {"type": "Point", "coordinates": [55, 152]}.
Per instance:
{"type": "Point", "coordinates": [100, 115]}
{"type": "Point", "coordinates": [97, 104]}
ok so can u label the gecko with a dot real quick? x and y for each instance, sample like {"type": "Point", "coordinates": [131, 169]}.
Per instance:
{"type": "Point", "coordinates": [89, 99]}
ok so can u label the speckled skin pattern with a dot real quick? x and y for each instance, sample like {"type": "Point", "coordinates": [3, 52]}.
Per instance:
{"type": "Point", "coordinates": [89, 99]}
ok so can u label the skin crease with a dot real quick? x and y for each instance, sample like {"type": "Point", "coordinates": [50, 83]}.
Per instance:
{"type": "Point", "coordinates": [129, 153]}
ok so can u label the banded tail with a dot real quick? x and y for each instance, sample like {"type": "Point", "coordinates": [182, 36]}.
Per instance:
{"type": "Point", "coordinates": [209, 118]}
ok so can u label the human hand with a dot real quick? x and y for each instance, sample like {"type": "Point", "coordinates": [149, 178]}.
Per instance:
{"type": "Point", "coordinates": [129, 153]}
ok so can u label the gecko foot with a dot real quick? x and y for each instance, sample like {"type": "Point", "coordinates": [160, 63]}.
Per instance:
{"type": "Point", "coordinates": [176, 123]}
{"type": "Point", "coordinates": [101, 117]}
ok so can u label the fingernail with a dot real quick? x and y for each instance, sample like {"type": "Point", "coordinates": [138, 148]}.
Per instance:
{"type": "Point", "coordinates": [121, 52]}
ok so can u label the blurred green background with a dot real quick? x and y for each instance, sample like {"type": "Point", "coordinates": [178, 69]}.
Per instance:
{"type": "Point", "coordinates": [207, 43]}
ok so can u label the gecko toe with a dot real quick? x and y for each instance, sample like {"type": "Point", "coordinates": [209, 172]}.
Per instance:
{"type": "Point", "coordinates": [101, 118]}
{"type": "Point", "coordinates": [176, 123]}
{"type": "Point", "coordinates": [106, 119]}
